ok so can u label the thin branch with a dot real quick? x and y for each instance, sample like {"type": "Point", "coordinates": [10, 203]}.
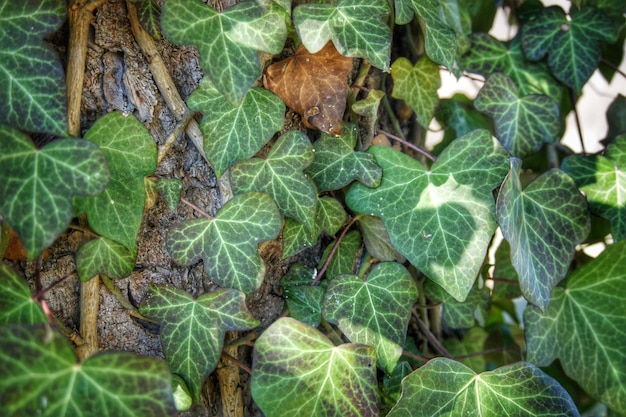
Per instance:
{"type": "Point", "coordinates": [612, 66]}
{"type": "Point", "coordinates": [196, 208]}
{"type": "Point", "coordinates": [409, 145]}
{"type": "Point", "coordinates": [320, 274]}
{"type": "Point", "coordinates": [124, 301]}
{"type": "Point", "coordinates": [414, 356]}
{"type": "Point", "coordinates": [181, 126]}
{"type": "Point", "coordinates": [237, 362]}
{"type": "Point", "coordinates": [432, 339]}
{"type": "Point", "coordinates": [577, 119]}
{"type": "Point", "coordinates": [43, 291]}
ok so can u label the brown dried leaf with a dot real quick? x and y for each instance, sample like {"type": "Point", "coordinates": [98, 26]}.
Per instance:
{"type": "Point", "coordinates": [313, 85]}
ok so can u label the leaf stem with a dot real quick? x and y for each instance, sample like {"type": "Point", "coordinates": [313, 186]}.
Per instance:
{"type": "Point", "coordinates": [321, 272]}
{"type": "Point", "coordinates": [237, 362]}
{"type": "Point", "coordinates": [414, 356]}
{"type": "Point", "coordinates": [196, 208]}
{"type": "Point", "coordinates": [577, 119]}
{"type": "Point", "coordinates": [409, 145]}
{"type": "Point", "coordinates": [132, 310]}
{"type": "Point", "coordinates": [432, 339]}
{"type": "Point", "coordinates": [612, 66]}
{"type": "Point", "coordinates": [43, 291]}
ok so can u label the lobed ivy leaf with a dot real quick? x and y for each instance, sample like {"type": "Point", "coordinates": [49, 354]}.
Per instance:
{"type": "Point", "coordinates": [543, 224]}
{"type": "Point", "coordinates": [40, 377]}
{"type": "Point", "coordinates": [149, 14]}
{"type": "Point", "coordinates": [132, 154]}
{"type": "Point", "coordinates": [170, 189]}
{"type": "Point", "coordinates": [417, 86]}
{"type": "Point", "coordinates": [444, 387]}
{"type": "Point", "coordinates": [368, 107]}
{"type": "Point", "coordinates": [523, 123]}
{"type": "Point", "coordinates": [303, 300]}
{"type": "Point", "coordinates": [192, 331]}
{"type": "Point", "coordinates": [228, 243]}
{"type": "Point", "coordinates": [456, 314]}
{"type": "Point", "coordinates": [441, 41]}
{"type": "Point", "coordinates": [228, 42]}
{"type": "Point", "coordinates": [329, 217]}
{"type": "Point", "coordinates": [104, 256]}
{"type": "Point", "coordinates": [37, 185]}
{"type": "Point", "coordinates": [374, 311]}
{"type": "Point", "coordinates": [570, 41]}
{"type": "Point", "coordinates": [16, 304]}
{"type": "Point", "coordinates": [355, 27]}
{"type": "Point", "coordinates": [344, 260]}
{"type": "Point", "coordinates": [336, 164]}
{"type": "Point", "coordinates": [488, 55]}
{"type": "Point", "coordinates": [584, 321]}
{"type": "Point", "coordinates": [280, 175]}
{"type": "Point", "coordinates": [603, 181]}
{"type": "Point", "coordinates": [443, 219]}
{"type": "Point", "coordinates": [313, 376]}
{"type": "Point", "coordinates": [376, 239]}
{"type": "Point", "coordinates": [33, 96]}
{"type": "Point", "coordinates": [235, 132]}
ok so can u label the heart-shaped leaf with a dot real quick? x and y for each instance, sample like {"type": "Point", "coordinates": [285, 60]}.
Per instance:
{"type": "Point", "coordinates": [228, 244]}
{"type": "Point", "coordinates": [16, 303]}
{"type": "Point", "coordinates": [417, 86]}
{"type": "Point", "coordinates": [354, 26]}
{"type": "Point", "coordinates": [37, 186]}
{"type": "Point", "coordinates": [304, 300]}
{"type": "Point", "coordinates": [235, 132]}
{"type": "Point", "coordinates": [337, 164]}
{"type": "Point", "coordinates": [444, 387]}
{"type": "Point", "coordinates": [280, 175]}
{"type": "Point", "coordinates": [583, 321]}
{"type": "Point", "coordinates": [374, 311]}
{"type": "Point", "coordinates": [313, 85]}
{"type": "Point", "coordinates": [543, 224]}
{"type": "Point", "coordinates": [313, 376]}
{"type": "Point", "coordinates": [522, 124]}
{"type": "Point", "coordinates": [603, 181]}
{"type": "Point", "coordinates": [132, 154]}
{"type": "Point", "coordinates": [40, 377]}
{"type": "Point", "coordinates": [443, 219]}
{"type": "Point", "coordinates": [33, 93]}
{"type": "Point", "coordinates": [571, 42]}
{"type": "Point", "coordinates": [228, 42]}
{"type": "Point", "coordinates": [170, 189]}
{"type": "Point", "coordinates": [440, 38]}
{"type": "Point", "coordinates": [192, 331]}
{"type": "Point", "coordinates": [104, 256]}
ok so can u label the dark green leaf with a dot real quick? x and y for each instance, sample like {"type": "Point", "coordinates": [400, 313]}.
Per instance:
{"type": "Point", "coordinates": [311, 376]}
{"type": "Point", "coordinates": [16, 304]}
{"type": "Point", "coordinates": [444, 387]}
{"type": "Point", "coordinates": [235, 132]}
{"type": "Point", "coordinates": [170, 190]}
{"type": "Point", "coordinates": [616, 118]}
{"type": "Point", "coordinates": [345, 257]}
{"type": "Point", "coordinates": [602, 179]}
{"type": "Point", "coordinates": [377, 240]}
{"type": "Point", "coordinates": [37, 186]}
{"type": "Point", "coordinates": [132, 154]}
{"type": "Point", "coordinates": [392, 388]}
{"type": "Point", "coordinates": [504, 270]}
{"type": "Point", "coordinates": [473, 342]}
{"type": "Point", "coordinates": [280, 175]}
{"type": "Point", "coordinates": [374, 311]}
{"type": "Point", "coordinates": [104, 256]}
{"type": "Point", "coordinates": [354, 26]}
{"type": "Point", "coordinates": [228, 42]}
{"type": "Point", "coordinates": [192, 331]}
{"type": "Point", "coordinates": [456, 314]}
{"type": "Point", "coordinates": [40, 377]}
{"type": "Point", "coordinates": [585, 321]}
{"type": "Point", "coordinates": [33, 96]}
{"type": "Point", "coordinates": [336, 164]}
{"type": "Point", "coordinates": [543, 224]}
{"type": "Point", "coordinates": [304, 300]}
{"type": "Point", "coordinates": [417, 86]}
{"type": "Point", "coordinates": [228, 244]}
{"type": "Point", "coordinates": [523, 124]}
{"type": "Point", "coordinates": [149, 14]}
{"type": "Point", "coordinates": [443, 219]}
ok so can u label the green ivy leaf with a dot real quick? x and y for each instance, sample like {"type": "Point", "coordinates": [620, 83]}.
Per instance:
{"type": "Point", "coordinates": [376, 239]}
{"type": "Point", "coordinates": [345, 257]}
{"type": "Point", "coordinates": [132, 154]}
{"type": "Point", "coordinates": [16, 304]}
{"type": "Point", "coordinates": [329, 217]}
{"type": "Point", "coordinates": [37, 185]}
{"type": "Point", "coordinates": [616, 118]}
{"type": "Point", "coordinates": [40, 377]}
{"type": "Point", "coordinates": [228, 243]}
{"type": "Point", "coordinates": [354, 26]}
{"type": "Point", "coordinates": [417, 86]}
{"type": "Point", "coordinates": [304, 300]}
{"type": "Point", "coordinates": [443, 219]}
{"type": "Point", "coordinates": [522, 124]}
{"type": "Point", "coordinates": [504, 270]}
{"type": "Point", "coordinates": [235, 132]}
{"type": "Point", "coordinates": [444, 387]}
{"type": "Point", "coordinates": [280, 175]}
{"type": "Point", "coordinates": [473, 342]}
{"type": "Point", "coordinates": [456, 314]}
{"type": "Point", "coordinates": [391, 388]}
{"type": "Point", "coordinates": [374, 311]}
{"type": "Point", "coordinates": [336, 164]}
{"type": "Point", "coordinates": [170, 189]}
{"type": "Point", "coordinates": [571, 42]}
{"type": "Point", "coordinates": [104, 256]}
{"type": "Point", "coordinates": [543, 224]}
{"type": "Point", "coordinates": [440, 38]}
{"type": "Point", "coordinates": [602, 180]}
{"type": "Point", "coordinates": [488, 55]}
{"type": "Point", "coordinates": [228, 42]}
{"type": "Point", "coordinates": [313, 376]}
{"type": "Point", "coordinates": [368, 107]}
{"type": "Point", "coordinates": [33, 96]}
{"type": "Point", "coordinates": [149, 14]}
{"type": "Point", "coordinates": [583, 322]}
{"type": "Point", "coordinates": [192, 331]}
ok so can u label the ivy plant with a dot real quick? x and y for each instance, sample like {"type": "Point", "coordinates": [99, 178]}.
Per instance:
{"type": "Point", "coordinates": [400, 298]}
